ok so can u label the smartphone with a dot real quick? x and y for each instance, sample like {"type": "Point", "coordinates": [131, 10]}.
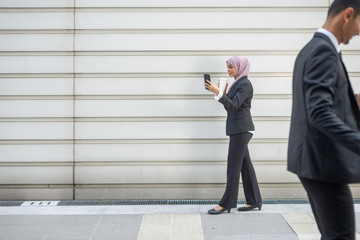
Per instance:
{"type": "Point", "coordinates": [206, 77]}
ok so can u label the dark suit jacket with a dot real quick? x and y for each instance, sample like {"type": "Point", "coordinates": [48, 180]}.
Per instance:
{"type": "Point", "coordinates": [237, 104]}
{"type": "Point", "coordinates": [324, 141]}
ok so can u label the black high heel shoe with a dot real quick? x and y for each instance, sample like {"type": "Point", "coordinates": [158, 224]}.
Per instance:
{"type": "Point", "coordinates": [220, 211]}
{"type": "Point", "coordinates": [243, 209]}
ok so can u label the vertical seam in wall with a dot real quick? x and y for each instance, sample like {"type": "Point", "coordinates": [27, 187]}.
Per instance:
{"type": "Point", "coordinates": [74, 98]}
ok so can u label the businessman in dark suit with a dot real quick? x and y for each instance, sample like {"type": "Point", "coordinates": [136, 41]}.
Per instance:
{"type": "Point", "coordinates": [324, 141]}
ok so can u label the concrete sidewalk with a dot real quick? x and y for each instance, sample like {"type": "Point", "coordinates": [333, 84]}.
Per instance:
{"type": "Point", "coordinates": [157, 222]}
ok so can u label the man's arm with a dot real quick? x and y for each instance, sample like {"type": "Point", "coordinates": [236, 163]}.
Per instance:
{"type": "Point", "coordinates": [320, 76]}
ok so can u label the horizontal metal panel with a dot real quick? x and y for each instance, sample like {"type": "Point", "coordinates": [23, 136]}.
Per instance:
{"type": "Point", "coordinates": [36, 108]}
{"type": "Point", "coordinates": [37, 20]}
{"type": "Point", "coordinates": [173, 108]}
{"type": "Point", "coordinates": [36, 153]}
{"type": "Point", "coordinates": [271, 85]}
{"type": "Point", "coordinates": [199, 20]}
{"type": "Point", "coordinates": [267, 41]}
{"type": "Point", "coordinates": [36, 64]}
{"type": "Point", "coordinates": [36, 130]}
{"type": "Point", "coordinates": [190, 64]}
{"type": "Point", "coordinates": [353, 45]}
{"type": "Point", "coordinates": [355, 82]}
{"type": "Point", "coordinates": [351, 62]}
{"type": "Point", "coordinates": [172, 130]}
{"type": "Point", "coordinates": [36, 175]}
{"type": "Point", "coordinates": [167, 86]}
{"type": "Point", "coordinates": [171, 86]}
{"type": "Point", "coordinates": [36, 42]}
{"type": "Point", "coordinates": [173, 152]}
{"type": "Point", "coordinates": [268, 151]}
{"type": "Point", "coordinates": [36, 3]}
{"type": "Point", "coordinates": [199, 3]}
{"type": "Point", "coordinates": [174, 174]}
{"type": "Point", "coordinates": [150, 174]}
{"type": "Point", "coordinates": [191, 42]}
{"type": "Point", "coordinates": [36, 86]}
{"type": "Point", "coordinates": [178, 64]}
{"type": "Point", "coordinates": [35, 192]}
{"type": "Point", "coordinates": [155, 64]}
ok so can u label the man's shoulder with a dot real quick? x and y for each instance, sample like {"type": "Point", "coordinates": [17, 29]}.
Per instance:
{"type": "Point", "coordinates": [317, 46]}
{"type": "Point", "coordinates": [319, 41]}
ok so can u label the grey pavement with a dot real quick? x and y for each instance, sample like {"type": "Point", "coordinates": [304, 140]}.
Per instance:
{"type": "Point", "coordinates": [157, 222]}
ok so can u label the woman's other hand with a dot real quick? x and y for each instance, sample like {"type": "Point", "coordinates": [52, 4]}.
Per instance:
{"type": "Point", "coordinates": [211, 87]}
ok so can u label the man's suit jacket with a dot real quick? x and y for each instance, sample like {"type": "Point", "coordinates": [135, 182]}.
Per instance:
{"type": "Point", "coordinates": [324, 141]}
{"type": "Point", "coordinates": [237, 104]}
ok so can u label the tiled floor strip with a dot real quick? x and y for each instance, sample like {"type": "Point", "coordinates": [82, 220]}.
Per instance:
{"type": "Point", "coordinates": [304, 225]}
{"type": "Point", "coordinates": [171, 227]}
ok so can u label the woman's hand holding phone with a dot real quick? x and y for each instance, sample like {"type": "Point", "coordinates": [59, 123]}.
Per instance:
{"type": "Point", "coordinates": [210, 86]}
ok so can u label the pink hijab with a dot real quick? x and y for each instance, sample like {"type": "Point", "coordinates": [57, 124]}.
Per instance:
{"type": "Point", "coordinates": [242, 66]}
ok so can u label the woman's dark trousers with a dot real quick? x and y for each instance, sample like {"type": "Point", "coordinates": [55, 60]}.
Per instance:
{"type": "Point", "coordinates": [239, 160]}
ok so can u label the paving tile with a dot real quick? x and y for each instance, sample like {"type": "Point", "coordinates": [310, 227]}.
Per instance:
{"type": "Point", "coordinates": [153, 238]}
{"type": "Point", "coordinates": [303, 228]}
{"type": "Point", "coordinates": [62, 238]}
{"type": "Point", "coordinates": [222, 220]}
{"type": "Point", "coordinates": [122, 219]}
{"type": "Point", "coordinates": [216, 230]}
{"type": "Point", "coordinates": [157, 219]}
{"type": "Point", "coordinates": [182, 232]}
{"type": "Point", "coordinates": [171, 227]}
{"type": "Point", "coordinates": [25, 238]}
{"type": "Point", "coordinates": [189, 237]}
{"type": "Point", "coordinates": [275, 237]}
{"type": "Point", "coordinates": [72, 231]}
{"type": "Point", "coordinates": [185, 219]}
{"type": "Point", "coordinates": [186, 226]}
{"type": "Point", "coordinates": [299, 218]}
{"type": "Point", "coordinates": [227, 237]}
{"type": "Point", "coordinates": [263, 218]}
{"type": "Point", "coordinates": [245, 224]}
{"type": "Point", "coordinates": [80, 219]}
{"type": "Point", "coordinates": [155, 231]}
{"type": "Point", "coordinates": [186, 230]}
{"type": "Point", "coordinates": [28, 220]}
{"type": "Point", "coordinates": [270, 229]}
{"type": "Point", "coordinates": [116, 232]}
{"type": "Point", "coordinates": [36, 231]}
{"type": "Point", "coordinates": [309, 236]}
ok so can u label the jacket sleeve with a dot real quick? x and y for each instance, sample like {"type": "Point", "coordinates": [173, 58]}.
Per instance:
{"type": "Point", "coordinates": [320, 76]}
{"type": "Point", "coordinates": [235, 103]}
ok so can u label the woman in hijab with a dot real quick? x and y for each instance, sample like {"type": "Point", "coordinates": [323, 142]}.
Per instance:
{"type": "Point", "coordinates": [239, 127]}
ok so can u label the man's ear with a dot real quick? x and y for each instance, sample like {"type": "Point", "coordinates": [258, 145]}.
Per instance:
{"type": "Point", "coordinates": [348, 14]}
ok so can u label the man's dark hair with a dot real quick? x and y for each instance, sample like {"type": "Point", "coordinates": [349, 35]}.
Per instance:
{"type": "Point", "coordinates": [339, 5]}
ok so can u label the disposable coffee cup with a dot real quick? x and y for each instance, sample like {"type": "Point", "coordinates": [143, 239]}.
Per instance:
{"type": "Point", "coordinates": [222, 84]}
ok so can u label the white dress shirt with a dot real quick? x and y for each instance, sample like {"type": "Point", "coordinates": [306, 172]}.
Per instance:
{"type": "Point", "coordinates": [331, 36]}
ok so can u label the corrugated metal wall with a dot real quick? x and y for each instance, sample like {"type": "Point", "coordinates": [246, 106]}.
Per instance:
{"type": "Point", "coordinates": [104, 99]}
